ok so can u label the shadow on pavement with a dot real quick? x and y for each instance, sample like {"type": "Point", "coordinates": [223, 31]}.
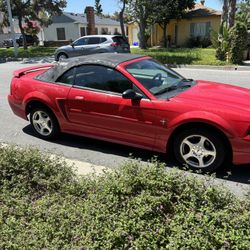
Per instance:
{"type": "Point", "coordinates": [240, 173]}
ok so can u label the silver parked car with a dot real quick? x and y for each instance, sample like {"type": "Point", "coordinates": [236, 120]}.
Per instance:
{"type": "Point", "coordinates": [93, 44]}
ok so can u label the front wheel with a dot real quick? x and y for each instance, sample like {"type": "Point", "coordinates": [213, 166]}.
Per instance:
{"type": "Point", "coordinates": [44, 123]}
{"type": "Point", "coordinates": [62, 56]}
{"type": "Point", "coordinates": [199, 149]}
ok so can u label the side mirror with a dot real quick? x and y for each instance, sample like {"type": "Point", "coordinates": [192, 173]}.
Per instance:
{"type": "Point", "coordinates": [72, 44]}
{"type": "Point", "coordinates": [131, 94]}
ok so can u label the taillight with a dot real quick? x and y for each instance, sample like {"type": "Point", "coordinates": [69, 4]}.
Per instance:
{"type": "Point", "coordinates": [12, 84]}
{"type": "Point", "coordinates": [114, 44]}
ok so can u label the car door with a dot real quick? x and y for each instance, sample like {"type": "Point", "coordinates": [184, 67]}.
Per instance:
{"type": "Point", "coordinates": [92, 46]}
{"type": "Point", "coordinates": [78, 47]}
{"type": "Point", "coordinates": [95, 105]}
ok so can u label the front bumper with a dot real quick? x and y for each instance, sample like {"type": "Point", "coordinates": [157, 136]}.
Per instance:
{"type": "Point", "coordinates": [241, 150]}
{"type": "Point", "coordinates": [17, 108]}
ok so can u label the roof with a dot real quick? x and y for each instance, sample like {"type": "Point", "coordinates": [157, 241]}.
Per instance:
{"type": "Point", "coordinates": [200, 10]}
{"type": "Point", "coordinates": [106, 59]}
{"type": "Point", "coordinates": [68, 17]}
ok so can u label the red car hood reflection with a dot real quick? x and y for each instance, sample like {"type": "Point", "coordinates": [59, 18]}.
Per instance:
{"type": "Point", "coordinates": [208, 93]}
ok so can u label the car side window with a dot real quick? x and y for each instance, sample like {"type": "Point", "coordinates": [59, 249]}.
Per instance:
{"type": "Point", "coordinates": [94, 40]}
{"type": "Point", "coordinates": [68, 77]}
{"type": "Point", "coordinates": [80, 42]}
{"type": "Point", "coordinates": [103, 40]}
{"type": "Point", "coordinates": [101, 78]}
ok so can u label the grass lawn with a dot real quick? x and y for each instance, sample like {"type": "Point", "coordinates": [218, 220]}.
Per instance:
{"type": "Point", "coordinates": [30, 52]}
{"type": "Point", "coordinates": [196, 56]}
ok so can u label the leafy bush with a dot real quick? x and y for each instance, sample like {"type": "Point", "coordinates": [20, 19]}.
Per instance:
{"type": "Point", "coordinates": [43, 205]}
{"type": "Point", "coordinates": [198, 42]}
{"type": "Point", "coordinates": [221, 42]}
{"type": "Point", "coordinates": [238, 40]}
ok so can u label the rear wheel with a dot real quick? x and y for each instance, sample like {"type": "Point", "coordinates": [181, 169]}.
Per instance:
{"type": "Point", "coordinates": [44, 123]}
{"type": "Point", "coordinates": [199, 149]}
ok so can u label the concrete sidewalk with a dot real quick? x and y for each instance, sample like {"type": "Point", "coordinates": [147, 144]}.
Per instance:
{"type": "Point", "coordinates": [245, 67]}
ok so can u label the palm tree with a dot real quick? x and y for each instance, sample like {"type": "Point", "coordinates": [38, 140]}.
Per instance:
{"type": "Point", "coordinates": [232, 11]}
{"type": "Point", "coordinates": [228, 12]}
{"type": "Point", "coordinates": [224, 16]}
{"type": "Point", "coordinates": [121, 17]}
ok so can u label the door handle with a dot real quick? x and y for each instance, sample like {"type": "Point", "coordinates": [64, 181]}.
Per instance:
{"type": "Point", "coordinates": [79, 98]}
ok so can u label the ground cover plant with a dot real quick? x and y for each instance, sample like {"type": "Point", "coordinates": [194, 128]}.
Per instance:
{"type": "Point", "coordinates": [30, 52]}
{"type": "Point", "coordinates": [45, 205]}
{"type": "Point", "coordinates": [182, 56]}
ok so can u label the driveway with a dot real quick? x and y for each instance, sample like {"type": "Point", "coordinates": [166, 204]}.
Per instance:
{"type": "Point", "coordinates": [15, 130]}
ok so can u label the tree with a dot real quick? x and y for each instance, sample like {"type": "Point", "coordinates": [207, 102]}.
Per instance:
{"type": "Point", "coordinates": [141, 13]}
{"type": "Point", "coordinates": [238, 42]}
{"type": "Point", "coordinates": [165, 10]}
{"type": "Point", "coordinates": [224, 15]}
{"type": "Point", "coordinates": [98, 7]}
{"type": "Point", "coordinates": [121, 17]}
{"type": "Point", "coordinates": [27, 11]}
{"type": "Point", "coordinates": [232, 12]}
{"type": "Point", "coordinates": [228, 12]}
{"type": "Point", "coordinates": [31, 28]}
{"type": "Point", "coordinates": [243, 12]}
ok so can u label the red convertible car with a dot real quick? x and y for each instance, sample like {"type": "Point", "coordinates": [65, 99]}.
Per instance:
{"type": "Point", "coordinates": [134, 100]}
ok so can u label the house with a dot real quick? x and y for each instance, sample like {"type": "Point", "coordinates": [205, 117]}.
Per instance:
{"type": "Point", "coordinates": [198, 22]}
{"type": "Point", "coordinates": [70, 26]}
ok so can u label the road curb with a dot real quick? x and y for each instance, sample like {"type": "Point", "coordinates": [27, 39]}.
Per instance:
{"type": "Point", "coordinates": [209, 67]}
{"type": "Point", "coordinates": [85, 168]}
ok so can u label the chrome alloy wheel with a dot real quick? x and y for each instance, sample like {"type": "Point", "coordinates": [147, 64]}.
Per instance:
{"type": "Point", "coordinates": [62, 57]}
{"type": "Point", "coordinates": [42, 123]}
{"type": "Point", "coordinates": [198, 151]}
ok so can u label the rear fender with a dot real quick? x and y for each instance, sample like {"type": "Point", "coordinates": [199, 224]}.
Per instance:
{"type": "Point", "coordinates": [40, 97]}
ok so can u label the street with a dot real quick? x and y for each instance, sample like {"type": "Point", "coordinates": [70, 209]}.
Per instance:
{"type": "Point", "coordinates": [18, 131]}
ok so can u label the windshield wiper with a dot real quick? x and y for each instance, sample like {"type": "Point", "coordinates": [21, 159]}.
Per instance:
{"type": "Point", "coordinates": [184, 83]}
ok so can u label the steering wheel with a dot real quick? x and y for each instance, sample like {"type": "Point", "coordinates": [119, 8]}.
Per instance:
{"type": "Point", "coordinates": [158, 75]}
{"type": "Point", "coordinates": [159, 80]}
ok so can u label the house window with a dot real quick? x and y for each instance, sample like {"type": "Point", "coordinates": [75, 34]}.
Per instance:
{"type": "Point", "coordinates": [82, 31]}
{"type": "Point", "coordinates": [105, 31]}
{"type": "Point", "coordinates": [200, 29]}
{"type": "Point", "coordinates": [60, 33]}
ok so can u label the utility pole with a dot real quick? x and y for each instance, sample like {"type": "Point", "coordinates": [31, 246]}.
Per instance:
{"type": "Point", "coordinates": [12, 28]}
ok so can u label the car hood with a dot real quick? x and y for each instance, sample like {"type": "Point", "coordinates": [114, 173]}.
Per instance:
{"type": "Point", "coordinates": [211, 93]}
{"type": "Point", "coordinates": [66, 47]}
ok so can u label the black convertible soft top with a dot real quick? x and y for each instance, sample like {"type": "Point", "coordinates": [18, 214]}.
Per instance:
{"type": "Point", "coordinates": [106, 59]}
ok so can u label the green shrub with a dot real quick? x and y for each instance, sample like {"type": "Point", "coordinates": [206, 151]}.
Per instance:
{"type": "Point", "coordinates": [198, 42]}
{"type": "Point", "coordinates": [238, 42]}
{"type": "Point", "coordinates": [133, 207]}
{"type": "Point", "coordinates": [221, 42]}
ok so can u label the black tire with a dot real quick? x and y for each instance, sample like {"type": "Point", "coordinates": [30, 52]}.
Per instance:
{"type": "Point", "coordinates": [189, 152]}
{"type": "Point", "coordinates": [61, 56]}
{"type": "Point", "coordinates": [52, 130]}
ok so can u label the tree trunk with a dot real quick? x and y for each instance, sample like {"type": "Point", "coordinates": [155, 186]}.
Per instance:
{"type": "Point", "coordinates": [121, 15]}
{"type": "Point", "coordinates": [165, 36]}
{"type": "Point", "coordinates": [22, 32]}
{"type": "Point", "coordinates": [232, 11]}
{"type": "Point", "coordinates": [142, 37]}
{"type": "Point", "coordinates": [224, 16]}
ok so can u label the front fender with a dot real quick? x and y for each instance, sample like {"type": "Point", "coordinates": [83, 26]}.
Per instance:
{"type": "Point", "coordinates": [203, 117]}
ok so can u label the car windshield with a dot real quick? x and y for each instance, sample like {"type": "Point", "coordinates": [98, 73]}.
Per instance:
{"type": "Point", "coordinates": [155, 77]}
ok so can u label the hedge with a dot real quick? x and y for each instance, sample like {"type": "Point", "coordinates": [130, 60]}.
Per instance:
{"type": "Point", "coordinates": [45, 205]}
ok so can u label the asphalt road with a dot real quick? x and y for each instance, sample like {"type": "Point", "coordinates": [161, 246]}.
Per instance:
{"type": "Point", "coordinates": [18, 131]}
